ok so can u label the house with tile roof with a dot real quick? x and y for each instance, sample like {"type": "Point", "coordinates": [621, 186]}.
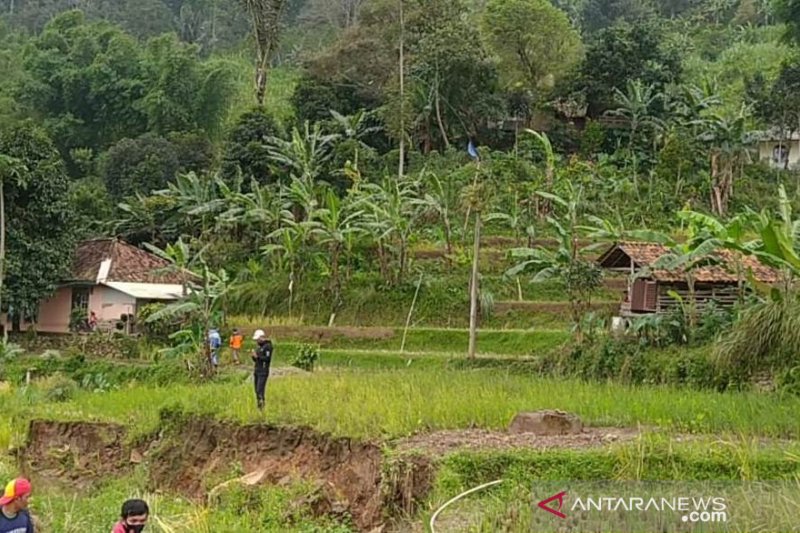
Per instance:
{"type": "Point", "coordinates": [113, 279]}
{"type": "Point", "coordinates": [651, 290]}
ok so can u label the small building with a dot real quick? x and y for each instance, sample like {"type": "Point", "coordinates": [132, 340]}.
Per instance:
{"type": "Point", "coordinates": [649, 290]}
{"type": "Point", "coordinates": [780, 151]}
{"type": "Point", "coordinates": [114, 280]}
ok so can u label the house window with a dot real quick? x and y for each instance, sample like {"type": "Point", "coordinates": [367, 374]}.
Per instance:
{"type": "Point", "coordinates": [644, 297]}
{"type": "Point", "coordinates": [780, 155]}
{"type": "Point", "coordinates": [80, 298]}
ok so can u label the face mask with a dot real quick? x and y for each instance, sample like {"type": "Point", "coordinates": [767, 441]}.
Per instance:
{"type": "Point", "coordinates": [134, 529]}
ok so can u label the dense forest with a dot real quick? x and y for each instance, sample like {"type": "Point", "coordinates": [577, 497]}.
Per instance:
{"type": "Point", "coordinates": [318, 141]}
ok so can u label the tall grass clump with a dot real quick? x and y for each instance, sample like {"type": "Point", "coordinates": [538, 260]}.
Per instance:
{"type": "Point", "coordinates": [765, 338]}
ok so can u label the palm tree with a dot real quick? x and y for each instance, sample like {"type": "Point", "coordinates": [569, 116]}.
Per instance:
{"type": "Point", "coordinates": [12, 171]}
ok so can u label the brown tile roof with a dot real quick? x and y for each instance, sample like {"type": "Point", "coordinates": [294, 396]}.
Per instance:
{"type": "Point", "coordinates": [646, 254]}
{"type": "Point", "coordinates": [128, 263]}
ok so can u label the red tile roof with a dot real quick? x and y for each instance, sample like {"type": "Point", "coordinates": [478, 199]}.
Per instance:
{"type": "Point", "coordinates": [644, 254]}
{"type": "Point", "coordinates": [128, 263]}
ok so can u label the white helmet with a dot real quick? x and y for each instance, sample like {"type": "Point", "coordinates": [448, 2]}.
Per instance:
{"type": "Point", "coordinates": [259, 334]}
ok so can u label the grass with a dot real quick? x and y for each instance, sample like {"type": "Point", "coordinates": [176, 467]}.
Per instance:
{"type": "Point", "coordinates": [274, 509]}
{"type": "Point", "coordinates": [443, 301]}
{"type": "Point", "coordinates": [387, 404]}
{"type": "Point", "coordinates": [455, 341]}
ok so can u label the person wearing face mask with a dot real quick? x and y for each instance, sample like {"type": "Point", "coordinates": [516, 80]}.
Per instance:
{"type": "Point", "coordinates": [134, 517]}
{"type": "Point", "coordinates": [14, 517]}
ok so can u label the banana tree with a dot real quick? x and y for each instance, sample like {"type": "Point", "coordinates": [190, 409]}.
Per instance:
{"type": "Point", "coordinates": [636, 105]}
{"type": "Point", "coordinates": [199, 309]}
{"type": "Point", "coordinates": [696, 251]}
{"type": "Point", "coordinates": [336, 220]}
{"type": "Point", "coordinates": [392, 218]}
{"type": "Point", "coordinates": [355, 128]}
{"type": "Point", "coordinates": [181, 260]}
{"type": "Point", "coordinates": [289, 244]}
{"type": "Point", "coordinates": [779, 245]}
{"type": "Point", "coordinates": [730, 234]}
{"type": "Point", "coordinates": [728, 140]}
{"type": "Point", "coordinates": [440, 198]}
{"type": "Point", "coordinates": [305, 154]}
{"type": "Point", "coordinates": [197, 200]}
{"type": "Point", "coordinates": [568, 261]}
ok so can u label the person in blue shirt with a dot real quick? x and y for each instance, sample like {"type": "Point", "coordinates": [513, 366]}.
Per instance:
{"type": "Point", "coordinates": [14, 516]}
{"type": "Point", "coordinates": [214, 343]}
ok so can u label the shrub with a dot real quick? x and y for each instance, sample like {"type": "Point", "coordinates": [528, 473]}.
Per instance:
{"type": "Point", "coordinates": [78, 319]}
{"type": "Point", "coordinates": [58, 388]}
{"type": "Point", "coordinates": [157, 330]}
{"type": "Point", "coordinates": [307, 357]}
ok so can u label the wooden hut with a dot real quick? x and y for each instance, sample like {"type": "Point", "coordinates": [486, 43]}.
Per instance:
{"type": "Point", "coordinates": [649, 289]}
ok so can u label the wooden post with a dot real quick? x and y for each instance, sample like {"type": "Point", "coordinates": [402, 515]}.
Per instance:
{"type": "Point", "coordinates": [473, 291]}
{"type": "Point", "coordinates": [410, 312]}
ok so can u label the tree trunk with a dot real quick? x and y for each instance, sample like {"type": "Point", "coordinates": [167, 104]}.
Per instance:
{"type": "Point", "coordinates": [265, 16]}
{"type": "Point", "coordinates": [448, 239]}
{"type": "Point", "coordinates": [473, 289]}
{"type": "Point", "coordinates": [439, 113]}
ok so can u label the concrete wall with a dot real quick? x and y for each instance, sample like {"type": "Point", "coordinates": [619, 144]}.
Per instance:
{"type": "Point", "coordinates": [54, 312]}
{"type": "Point", "coordinates": [110, 304]}
{"type": "Point", "coordinates": [766, 150]}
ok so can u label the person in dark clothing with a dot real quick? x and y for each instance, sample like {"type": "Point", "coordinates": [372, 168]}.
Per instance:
{"type": "Point", "coordinates": [262, 357]}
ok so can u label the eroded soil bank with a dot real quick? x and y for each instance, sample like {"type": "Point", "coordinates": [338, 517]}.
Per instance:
{"type": "Point", "coordinates": [196, 457]}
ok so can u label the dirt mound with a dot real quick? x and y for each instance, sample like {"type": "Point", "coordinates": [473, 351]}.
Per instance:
{"type": "Point", "coordinates": [77, 451]}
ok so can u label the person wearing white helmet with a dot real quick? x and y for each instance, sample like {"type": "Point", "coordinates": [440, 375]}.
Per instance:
{"type": "Point", "coordinates": [262, 357]}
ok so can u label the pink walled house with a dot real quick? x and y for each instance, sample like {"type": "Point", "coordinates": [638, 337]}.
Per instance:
{"type": "Point", "coordinates": [111, 278]}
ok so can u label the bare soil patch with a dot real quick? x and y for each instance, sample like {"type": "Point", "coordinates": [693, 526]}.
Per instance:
{"type": "Point", "coordinates": [456, 440]}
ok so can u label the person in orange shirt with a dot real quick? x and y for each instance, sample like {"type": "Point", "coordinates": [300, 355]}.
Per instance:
{"type": "Point", "coordinates": [236, 345]}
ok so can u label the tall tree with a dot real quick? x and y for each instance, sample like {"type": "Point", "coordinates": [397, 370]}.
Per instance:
{"type": "Point", "coordinates": [622, 53]}
{"type": "Point", "coordinates": [13, 173]}
{"type": "Point", "coordinates": [265, 16]}
{"type": "Point", "coordinates": [40, 235]}
{"type": "Point", "coordinates": [789, 12]}
{"type": "Point", "coordinates": [535, 41]}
